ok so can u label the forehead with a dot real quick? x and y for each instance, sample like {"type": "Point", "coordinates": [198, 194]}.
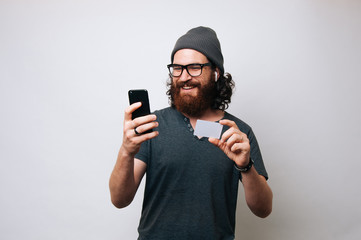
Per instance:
{"type": "Point", "coordinates": [188, 56]}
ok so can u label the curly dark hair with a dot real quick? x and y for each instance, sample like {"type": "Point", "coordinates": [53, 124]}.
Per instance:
{"type": "Point", "coordinates": [224, 90]}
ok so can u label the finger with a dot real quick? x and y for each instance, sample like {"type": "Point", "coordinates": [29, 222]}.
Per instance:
{"type": "Point", "coordinates": [130, 109]}
{"type": "Point", "coordinates": [233, 128]}
{"type": "Point", "coordinates": [146, 136]}
{"type": "Point", "coordinates": [143, 120]}
{"type": "Point", "coordinates": [132, 140]}
{"type": "Point", "coordinates": [145, 127]}
{"type": "Point", "coordinates": [228, 123]}
{"type": "Point", "coordinates": [235, 138]}
{"type": "Point", "coordinates": [229, 133]}
{"type": "Point", "coordinates": [136, 131]}
{"type": "Point", "coordinates": [237, 147]}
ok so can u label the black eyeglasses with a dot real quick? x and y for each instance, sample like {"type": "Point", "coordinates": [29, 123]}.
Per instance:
{"type": "Point", "coordinates": [194, 69]}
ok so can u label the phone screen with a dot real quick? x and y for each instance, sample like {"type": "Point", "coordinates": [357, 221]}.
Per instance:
{"type": "Point", "coordinates": [139, 95]}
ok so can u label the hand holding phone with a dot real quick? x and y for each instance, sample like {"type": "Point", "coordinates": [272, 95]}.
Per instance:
{"type": "Point", "coordinates": [140, 95]}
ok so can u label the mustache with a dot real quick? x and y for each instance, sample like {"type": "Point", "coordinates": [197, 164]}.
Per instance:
{"type": "Point", "coordinates": [188, 83]}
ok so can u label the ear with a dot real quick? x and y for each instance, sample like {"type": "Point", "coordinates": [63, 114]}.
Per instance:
{"type": "Point", "coordinates": [216, 74]}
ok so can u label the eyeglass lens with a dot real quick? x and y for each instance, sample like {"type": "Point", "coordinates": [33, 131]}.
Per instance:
{"type": "Point", "coordinates": [193, 69]}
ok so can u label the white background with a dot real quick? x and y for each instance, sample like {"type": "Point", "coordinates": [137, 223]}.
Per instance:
{"type": "Point", "coordinates": [66, 67]}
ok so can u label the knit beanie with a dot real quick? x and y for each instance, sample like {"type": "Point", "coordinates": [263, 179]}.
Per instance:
{"type": "Point", "coordinates": [204, 40]}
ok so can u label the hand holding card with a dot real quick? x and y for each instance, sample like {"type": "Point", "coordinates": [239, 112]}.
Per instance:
{"type": "Point", "coordinates": [234, 143]}
{"type": "Point", "coordinates": [208, 129]}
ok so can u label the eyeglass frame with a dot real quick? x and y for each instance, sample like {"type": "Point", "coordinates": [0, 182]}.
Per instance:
{"type": "Point", "coordinates": [186, 67]}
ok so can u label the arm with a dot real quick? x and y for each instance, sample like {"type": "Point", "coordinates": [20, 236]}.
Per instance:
{"type": "Point", "coordinates": [128, 171]}
{"type": "Point", "coordinates": [235, 144]}
{"type": "Point", "coordinates": [257, 192]}
{"type": "Point", "coordinates": [125, 179]}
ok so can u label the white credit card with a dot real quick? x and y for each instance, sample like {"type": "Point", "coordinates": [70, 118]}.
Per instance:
{"type": "Point", "coordinates": [208, 129]}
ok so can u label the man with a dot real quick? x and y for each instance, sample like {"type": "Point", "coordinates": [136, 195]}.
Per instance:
{"type": "Point", "coordinates": [191, 182]}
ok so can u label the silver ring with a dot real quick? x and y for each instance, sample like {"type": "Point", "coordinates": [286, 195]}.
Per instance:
{"type": "Point", "coordinates": [136, 132]}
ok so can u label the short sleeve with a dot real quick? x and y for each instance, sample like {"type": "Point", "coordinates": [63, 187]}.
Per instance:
{"type": "Point", "coordinates": [256, 155]}
{"type": "Point", "coordinates": [144, 152]}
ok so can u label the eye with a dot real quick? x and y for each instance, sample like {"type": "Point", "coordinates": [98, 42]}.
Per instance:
{"type": "Point", "coordinates": [194, 67]}
{"type": "Point", "coordinates": [177, 68]}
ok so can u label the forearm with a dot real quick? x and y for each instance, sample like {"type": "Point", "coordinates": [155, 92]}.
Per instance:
{"type": "Point", "coordinates": [257, 192]}
{"type": "Point", "coordinates": [122, 182]}
{"type": "Point", "coordinates": [128, 172]}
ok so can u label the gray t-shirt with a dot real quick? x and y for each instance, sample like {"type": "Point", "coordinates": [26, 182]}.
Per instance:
{"type": "Point", "coordinates": [191, 185]}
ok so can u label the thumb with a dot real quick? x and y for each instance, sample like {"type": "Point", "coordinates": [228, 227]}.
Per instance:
{"type": "Point", "coordinates": [214, 141]}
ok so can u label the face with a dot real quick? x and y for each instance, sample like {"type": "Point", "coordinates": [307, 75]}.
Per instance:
{"type": "Point", "coordinates": [193, 95]}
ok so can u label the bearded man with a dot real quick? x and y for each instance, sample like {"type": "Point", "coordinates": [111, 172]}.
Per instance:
{"type": "Point", "coordinates": [191, 182]}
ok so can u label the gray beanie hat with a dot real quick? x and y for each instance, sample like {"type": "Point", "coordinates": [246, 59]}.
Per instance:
{"type": "Point", "coordinates": [204, 40]}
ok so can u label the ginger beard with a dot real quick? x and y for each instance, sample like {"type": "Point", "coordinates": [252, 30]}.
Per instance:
{"type": "Point", "coordinates": [193, 106]}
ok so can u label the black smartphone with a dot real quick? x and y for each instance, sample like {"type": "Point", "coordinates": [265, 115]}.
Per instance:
{"type": "Point", "coordinates": [139, 95]}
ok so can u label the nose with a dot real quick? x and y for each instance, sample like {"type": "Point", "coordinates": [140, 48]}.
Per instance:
{"type": "Point", "coordinates": [184, 76]}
